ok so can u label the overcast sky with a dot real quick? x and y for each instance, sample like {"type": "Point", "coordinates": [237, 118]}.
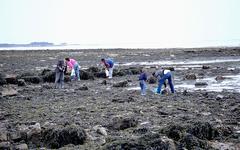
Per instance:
{"type": "Point", "coordinates": [119, 21]}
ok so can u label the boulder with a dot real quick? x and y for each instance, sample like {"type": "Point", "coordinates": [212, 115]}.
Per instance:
{"type": "Point", "coordinates": [219, 97]}
{"type": "Point", "coordinates": [152, 80]}
{"type": "Point", "coordinates": [100, 130]}
{"type": "Point", "coordinates": [83, 88]}
{"type": "Point", "coordinates": [3, 136]}
{"type": "Point", "coordinates": [190, 76]}
{"type": "Point", "coordinates": [220, 78]}
{"type": "Point", "coordinates": [174, 132]}
{"type": "Point", "coordinates": [205, 67]}
{"type": "Point", "coordinates": [48, 76]}
{"type": "Point", "coordinates": [147, 141]}
{"type": "Point", "coordinates": [11, 79]}
{"type": "Point", "coordinates": [201, 84]}
{"type": "Point", "coordinates": [85, 75]}
{"type": "Point", "coordinates": [191, 142]}
{"type": "Point", "coordinates": [32, 79]}
{"type": "Point", "coordinates": [21, 147]}
{"type": "Point", "coordinates": [121, 84]}
{"type": "Point", "coordinates": [93, 69]}
{"type": "Point", "coordinates": [135, 70]}
{"type": "Point", "coordinates": [120, 123]}
{"type": "Point", "coordinates": [21, 82]}
{"type": "Point", "coordinates": [100, 75]}
{"type": "Point", "coordinates": [9, 92]}
{"type": "Point", "coordinates": [203, 130]}
{"type": "Point", "coordinates": [58, 137]}
{"type": "Point", "coordinates": [5, 145]}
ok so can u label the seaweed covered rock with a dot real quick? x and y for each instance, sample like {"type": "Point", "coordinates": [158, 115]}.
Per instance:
{"type": "Point", "coordinates": [121, 123]}
{"type": "Point", "coordinates": [48, 76]}
{"type": "Point", "coordinates": [120, 84]}
{"type": "Point", "coordinates": [152, 80]}
{"type": "Point", "coordinates": [147, 141]}
{"type": "Point", "coordinates": [32, 79]}
{"type": "Point", "coordinates": [58, 137]}
{"type": "Point", "coordinates": [85, 75]}
{"type": "Point", "coordinates": [21, 82]}
{"type": "Point", "coordinates": [174, 132]}
{"type": "Point", "coordinates": [191, 142]}
{"type": "Point", "coordinates": [190, 76]}
{"type": "Point", "coordinates": [203, 130]}
{"type": "Point", "coordinates": [11, 79]}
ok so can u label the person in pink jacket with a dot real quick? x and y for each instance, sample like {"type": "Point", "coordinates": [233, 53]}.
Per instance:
{"type": "Point", "coordinates": [74, 66]}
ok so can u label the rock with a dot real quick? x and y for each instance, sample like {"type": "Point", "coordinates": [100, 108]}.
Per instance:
{"type": "Point", "coordinates": [121, 84]}
{"type": "Point", "coordinates": [174, 132]}
{"type": "Point", "coordinates": [2, 79]}
{"type": "Point", "coordinates": [120, 72]}
{"type": "Point", "coordinates": [84, 75]}
{"type": "Point", "coordinates": [203, 130]}
{"type": "Point", "coordinates": [48, 76]}
{"type": "Point", "coordinates": [11, 79]}
{"type": "Point", "coordinates": [21, 82]}
{"type": "Point", "coordinates": [93, 69]}
{"type": "Point", "coordinates": [26, 74]}
{"type": "Point", "coordinates": [220, 78]}
{"type": "Point", "coordinates": [152, 80]}
{"type": "Point", "coordinates": [5, 145]}
{"type": "Point", "coordinates": [135, 70]}
{"type": "Point", "coordinates": [222, 146]}
{"type": "Point", "coordinates": [3, 136]}
{"type": "Point", "coordinates": [147, 141]}
{"type": "Point", "coordinates": [120, 123]}
{"type": "Point", "coordinates": [9, 92]}
{"type": "Point", "coordinates": [32, 79]}
{"type": "Point", "coordinates": [100, 75]}
{"type": "Point", "coordinates": [58, 137]}
{"type": "Point", "coordinates": [15, 136]}
{"type": "Point", "coordinates": [21, 147]}
{"type": "Point", "coordinates": [83, 88]}
{"type": "Point", "coordinates": [219, 97]}
{"type": "Point", "coordinates": [190, 76]}
{"type": "Point", "coordinates": [34, 133]}
{"type": "Point", "coordinates": [45, 71]}
{"type": "Point", "coordinates": [104, 82]}
{"type": "Point", "coordinates": [201, 84]}
{"type": "Point", "coordinates": [100, 130]}
{"type": "Point", "coordinates": [205, 67]}
{"type": "Point", "coordinates": [191, 142]}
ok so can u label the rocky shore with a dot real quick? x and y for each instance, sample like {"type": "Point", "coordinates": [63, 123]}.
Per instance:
{"type": "Point", "coordinates": [96, 113]}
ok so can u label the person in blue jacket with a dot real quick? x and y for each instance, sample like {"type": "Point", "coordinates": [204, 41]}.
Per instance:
{"type": "Point", "coordinates": [162, 75]}
{"type": "Point", "coordinates": [142, 82]}
{"type": "Point", "coordinates": [109, 64]}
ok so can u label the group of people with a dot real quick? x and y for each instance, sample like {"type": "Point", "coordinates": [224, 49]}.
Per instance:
{"type": "Point", "coordinates": [162, 75]}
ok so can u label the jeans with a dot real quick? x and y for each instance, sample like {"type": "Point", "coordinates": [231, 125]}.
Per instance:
{"type": "Point", "coordinates": [110, 72]}
{"type": "Point", "coordinates": [167, 76]}
{"type": "Point", "coordinates": [59, 80]}
{"type": "Point", "coordinates": [77, 69]}
{"type": "Point", "coordinates": [143, 87]}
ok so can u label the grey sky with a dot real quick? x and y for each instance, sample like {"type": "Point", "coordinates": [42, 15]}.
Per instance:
{"type": "Point", "coordinates": [119, 21]}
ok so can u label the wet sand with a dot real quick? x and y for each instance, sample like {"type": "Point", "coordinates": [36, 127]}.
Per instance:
{"type": "Point", "coordinates": [111, 117]}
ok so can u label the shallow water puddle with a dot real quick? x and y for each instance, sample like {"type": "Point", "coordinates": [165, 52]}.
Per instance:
{"type": "Point", "coordinates": [187, 62]}
{"type": "Point", "coordinates": [231, 83]}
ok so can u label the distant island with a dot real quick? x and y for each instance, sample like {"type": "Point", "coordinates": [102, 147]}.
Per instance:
{"type": "Point", "coordinates": [32, 44]}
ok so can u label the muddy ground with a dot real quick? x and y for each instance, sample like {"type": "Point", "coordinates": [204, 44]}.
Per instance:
{"type": "Point", "coordinates": [94, 114]}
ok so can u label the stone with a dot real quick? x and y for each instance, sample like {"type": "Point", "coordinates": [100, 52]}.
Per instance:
{"type": "Point", "coordinates": [205, 67]}
{"type": "Point", "coordinates": [83, 88]}
{"type": "Point", "coordinates": [100, 130]}
{"type": "Point", "coordinates": [48, 76]}
{"type": "Point", "coordinates": [93, 69]}
{"type": "Point", "coordinates": [104, 82]}
{"type": "Point", "coordinates": [9, 92]}
{"type": "Point", "coordinates": [222, 146]}
{"type": "Point", "coordinates": [174, 132]}
{"type": "Point", "coordinates": [85, 75]}
{"type": "Point", "coordinates": [190, 76]}
{"type": "Point", "coordinates": [21, 147]}
{"type": "Point", "coordinates": [191, 142]}
{"type": "Point", "coordinates": [220, 78]}
{"type": "Point", "coordinates": [58, 137]}
{"type": "Point", "coordinates": [201, 84]}
{"type": "Point", "coordinates": [219, 97]}
{"type": "Point", "coordinates": [32, 79]}
{"type": "Point", "coordinates": [11, 79]}
{"type": "Point", "coordinates": [120, 123]}
{"type": "Point", "coordinates": [21, 82]}
{"type": "Point", "coordinates": [5, 145]}
{"type": "Point", "coordinates": [121, 84]}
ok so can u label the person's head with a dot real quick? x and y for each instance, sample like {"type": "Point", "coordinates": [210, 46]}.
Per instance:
{"type": "Point", "coordinates": [67, 59]}
{"type": "Point", "coordinates": [102, 60]}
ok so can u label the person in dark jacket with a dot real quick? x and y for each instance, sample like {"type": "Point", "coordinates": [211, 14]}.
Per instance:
{"type": "Point", "coordinates": [162, 75]}
{"type": "Point", "coordinates": [59, 74]}
{"type": "Point", "coordinates": [142, 82]}
{"type": "Point", "coordinates": [108, 64]}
